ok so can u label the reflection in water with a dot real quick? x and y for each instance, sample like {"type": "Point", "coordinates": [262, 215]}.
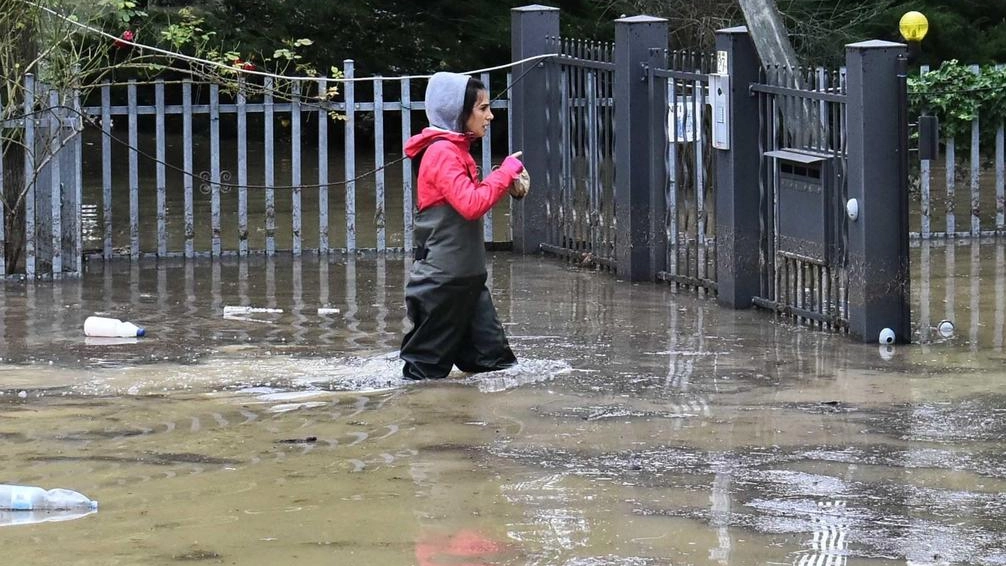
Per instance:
{"type": "Point", "coordinates": [190, 308]}
{"type": "Point", "coordinates": [720, 512]}
{"type": "Point", "coordinates": [829, 546]}
{"type": "Point", "coordinates": [947, 284]}
{"type": "Point", "coordinates": [9, 518]}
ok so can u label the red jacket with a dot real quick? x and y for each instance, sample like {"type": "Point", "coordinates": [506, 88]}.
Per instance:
{"type": "Point", "coordinates": [448, 174]}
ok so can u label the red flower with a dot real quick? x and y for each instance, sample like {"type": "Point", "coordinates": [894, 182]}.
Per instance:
{"type": "Point", "coordinates": [127, 35]}
{"type": "Point", "coordinates": [248, 66]}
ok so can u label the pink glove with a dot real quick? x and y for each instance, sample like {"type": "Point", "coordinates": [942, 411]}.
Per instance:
{"type": "Point", "coordinates": [512, 165]}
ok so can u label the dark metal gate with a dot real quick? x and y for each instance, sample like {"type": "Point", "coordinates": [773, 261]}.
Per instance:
{"type": "Point", "coordinates": [680, 87]}
{"type": "Point", "coordinates": [802, 194]}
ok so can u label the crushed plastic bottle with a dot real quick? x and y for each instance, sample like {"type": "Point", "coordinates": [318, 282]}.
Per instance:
{"type": "Point", "coordinates": [239, 310]}
{"type": "Point", "coordinates": [111, 328]}
{"type": "Point", "coordinates": [31, 498]}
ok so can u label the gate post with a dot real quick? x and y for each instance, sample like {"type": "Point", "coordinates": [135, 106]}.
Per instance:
{"type": "Point", "coordinates": [634, 38]}
{"type": "Point", "coordinates": [738, 224]}
{"type": "Point", "coordinates": [530, 28]}
{"type": "Point", "coordinates": [878, 238]}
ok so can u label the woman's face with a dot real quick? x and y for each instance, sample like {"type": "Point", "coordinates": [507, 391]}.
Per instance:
{"type": "Point", "coordinates": [478, 122]}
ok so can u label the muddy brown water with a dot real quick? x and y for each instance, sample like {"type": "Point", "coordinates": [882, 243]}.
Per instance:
{"type": "Point", "coordinates": [642, 427]}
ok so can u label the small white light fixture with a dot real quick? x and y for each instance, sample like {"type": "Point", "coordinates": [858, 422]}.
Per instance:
{"type": "Point", "coordinates": [886, 336]}
{"type": "Point", "coordinates": [852, 209]}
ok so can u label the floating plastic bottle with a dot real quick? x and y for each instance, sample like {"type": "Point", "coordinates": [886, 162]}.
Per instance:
{"type": "Point", "coordinates": [111, 328]}
{"type": "Point", "coordinates": [31, 498]}
{"type": "Point", "coordinates": [240, 310]}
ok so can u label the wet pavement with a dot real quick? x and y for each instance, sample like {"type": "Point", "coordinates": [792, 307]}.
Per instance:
{"type": "Point", "coordinates": [643, 426]}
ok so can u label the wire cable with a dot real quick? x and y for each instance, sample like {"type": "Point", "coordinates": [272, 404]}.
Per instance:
{"type": "Point", "coordinates": [231, 68]}
{"type": "Point", "coordinates": [94, 122]}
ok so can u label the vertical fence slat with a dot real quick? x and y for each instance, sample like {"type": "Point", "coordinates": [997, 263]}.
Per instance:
{"type": "Point", "coordinates": [215, 169]}
{"type": "Point", "coordinates": [407, 203]}
{"type": "Point", "coordinates": [242, 111]}
{"type": "Point", "coordinates": [350, 156]}
{"type": "Point", "coordinates": [509, 140]}
{"type": "Point", "coordinates": [29, 175]}
{"type": "Point", "coordinates": [55, 119]}
{"type": "Point", "coordinates": [323, 243]}
{"type": "Point", "coordinates": [976, 227]}
{"type": "Point", "coordinates": [949, 203]}
{"type": "Point", "coordinates": [593, 154]}
{"type": "Point", "coordinates": [106, 167]}
{"type": "Point", "coordinates": [3, 213]}
{"type": "Point", "coordinates": [925, 186]}
{"type": "Point", "coordinates": [582, 198]}
{"type": "Point", "coordinates": [672, 180]}
{"type": "Point", "coordinates": [162, 227]}
{"type": "Point", "coordinates": [78, 187]}
{"type": "Point", "coordinates": [295, 169]}
{"type": "Point", "coordinates": [509, 113]}
{"type": "Point", "coordinates": [487, 165]}
{"type": "Point", "coordinates": [134, 180]}
{"type": "Point", "coordinates": [269, 169]}
{"type": "Point", "coordinates": [1000, 170]}
{"type": "Point", "coordinates": [698, 94]}
{"type": "Point", "coordinates": [187, 165]}
{"type": "Point", "coordinates": [379, 213]}
{"type": "Point", "coordinates": [567, 122]}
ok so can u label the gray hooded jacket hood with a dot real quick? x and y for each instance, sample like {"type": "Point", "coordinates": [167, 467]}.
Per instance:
{"type": "Point", "coordinates": [445, 96]}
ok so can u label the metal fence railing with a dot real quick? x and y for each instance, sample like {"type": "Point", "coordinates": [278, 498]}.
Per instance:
{"type": "Point", "coordinates": [689, 218]}
{"type": "Point", "coordinates": [181, 168]}
{"type": "Point", "coordinates": [962, 194]}
{"type": "Point", "coordinates": [581, 213]}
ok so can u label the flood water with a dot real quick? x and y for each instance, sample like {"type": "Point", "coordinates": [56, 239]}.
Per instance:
{"type": "Point", "coordinates": [642, 426]}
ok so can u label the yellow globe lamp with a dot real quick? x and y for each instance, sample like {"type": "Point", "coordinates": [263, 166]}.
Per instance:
{"type": "Point", "coordinates": [913, 26]}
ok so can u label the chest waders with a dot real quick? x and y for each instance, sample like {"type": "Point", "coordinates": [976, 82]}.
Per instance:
{"type": "Point", "coordinates": [452, 313]}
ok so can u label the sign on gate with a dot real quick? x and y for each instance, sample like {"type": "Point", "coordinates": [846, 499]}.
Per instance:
{"type": "Point", "coordinates": [681, 120]}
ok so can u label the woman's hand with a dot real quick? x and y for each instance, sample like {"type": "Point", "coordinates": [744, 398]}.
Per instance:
{"type": "Point", "coordinates": [512, 163]}
{"type": "Point", "coordinates": [521, 185]}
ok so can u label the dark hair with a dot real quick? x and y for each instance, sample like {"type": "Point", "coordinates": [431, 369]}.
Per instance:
{"type": "Point", "coordinates": [472, 91]}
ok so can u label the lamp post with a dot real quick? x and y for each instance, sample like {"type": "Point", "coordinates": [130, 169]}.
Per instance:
{"type": "Point", "coordinates": [913, 27]}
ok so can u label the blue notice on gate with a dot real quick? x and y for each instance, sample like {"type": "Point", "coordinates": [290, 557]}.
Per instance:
{"type": "Point", "coordinates": [681, 121]}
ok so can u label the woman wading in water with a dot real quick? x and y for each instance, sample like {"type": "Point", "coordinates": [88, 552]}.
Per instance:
{"type": "Point", "coordinates": [446, 298]}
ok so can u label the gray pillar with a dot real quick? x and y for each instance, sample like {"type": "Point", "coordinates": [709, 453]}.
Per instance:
{"type": "Point", "coordinates": [738, 230]}
{"type": "Point", "coordinates": [878, 239]}
{"type": "Point", "coordinates": [530, 28]}
{"type": "Point", "coordinates": [634, 38]}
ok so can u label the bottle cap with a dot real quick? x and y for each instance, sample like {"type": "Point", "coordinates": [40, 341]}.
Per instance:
{"type": "Point", "coordinates": [140, 331]}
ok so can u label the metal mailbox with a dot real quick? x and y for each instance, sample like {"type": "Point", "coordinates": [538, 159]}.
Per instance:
{"type": "Point", "coordinates": [805, 212]}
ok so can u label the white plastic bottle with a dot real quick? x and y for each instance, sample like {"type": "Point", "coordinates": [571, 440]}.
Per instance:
{"type": "Point", "coordinates": [111, 328]}
{"type": "Point", "coordinates": [31, 498]}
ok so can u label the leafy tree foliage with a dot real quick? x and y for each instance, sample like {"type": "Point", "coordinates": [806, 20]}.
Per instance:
{"type": "Point", "coordinates": [398, 36]}
{"type": "Point", "coordinates": [393, 36]}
